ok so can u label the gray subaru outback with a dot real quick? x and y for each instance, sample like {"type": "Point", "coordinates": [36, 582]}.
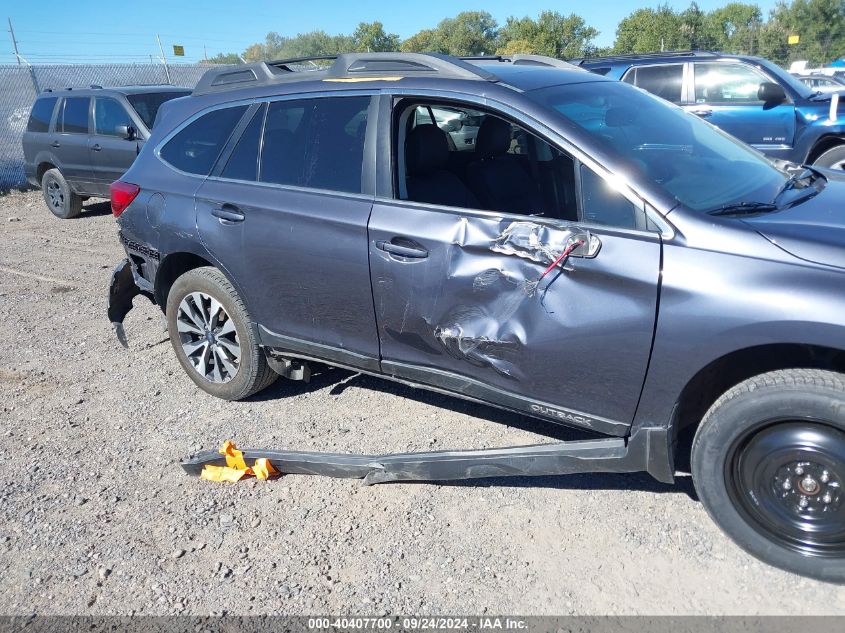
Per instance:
{"type": "Point", "coordinates": [599, 258]}
{"type": "Point", "coordinates": [78, 141]}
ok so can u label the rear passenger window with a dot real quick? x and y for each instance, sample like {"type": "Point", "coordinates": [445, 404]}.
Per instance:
{"type": "Point", "coordinates": [195, 147]}
{"type": "Point", "coordinates": [74, 116]}
{"type": "Point", "coordinates": [243, 162]}
{"type": "Point", "coordinates": [42, 112]}
{"type": "Point", "coordinates": [665, 81]}
{"type": "Point", "coordinates": [317, 143]}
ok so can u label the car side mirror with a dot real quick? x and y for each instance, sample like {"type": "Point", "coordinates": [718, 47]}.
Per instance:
{"type": "Point", "coordinates": [771, 93]}
{"type": "Point", "coordinates": [585, 244]}
{"type": "Point", "coordinates": [125, 131]}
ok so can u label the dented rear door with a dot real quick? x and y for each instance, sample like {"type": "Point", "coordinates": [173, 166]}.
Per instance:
{"type": "Point", "coordinates": [461, 309]}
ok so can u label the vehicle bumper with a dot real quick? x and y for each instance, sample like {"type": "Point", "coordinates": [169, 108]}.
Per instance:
{"type": "Point", "coordinates": [125, 285]}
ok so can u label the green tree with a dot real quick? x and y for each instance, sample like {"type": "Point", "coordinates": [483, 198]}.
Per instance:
{"type": "Point", "coordinates": [694, 29]}
{"type": "Point", "coordinates": [225, 58]}
{"type": "Point", "coordinates": [468, 33]}
{"type": "Point", "coordinates": [735, 28]}
{"type": "Point", "coordinates": [550, 34]}
{"type": "Point", "coordinates": [649, 30]}
{"type": "Point", "coordinates": [371, 37]}
{"type": "Point", "coordinates": [820, 25]}
{"type": "Point", "coordinates": [426, 41]}
{"type": "Point", "coordinates": [309, 44]}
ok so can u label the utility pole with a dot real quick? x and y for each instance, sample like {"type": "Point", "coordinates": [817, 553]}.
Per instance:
{"type": "Point", "coordinates": [164, 60]}
{"type": "Point", "coordinates": [14, 41]}
{"type": "Point", "coordinates": [204, 53]}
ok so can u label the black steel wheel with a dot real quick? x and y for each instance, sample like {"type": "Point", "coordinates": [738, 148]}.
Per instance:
{"type": "Point", "coordinates": [786, 478]}
{"type": "Point", "coordinates": [768, 463]}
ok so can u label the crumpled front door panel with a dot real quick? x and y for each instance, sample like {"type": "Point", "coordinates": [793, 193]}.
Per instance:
{"type": "Point", "coordinates": [578, 340]}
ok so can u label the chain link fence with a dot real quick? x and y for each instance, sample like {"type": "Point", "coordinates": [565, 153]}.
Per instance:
{"type": "Point", "coordinates": [20, 85]}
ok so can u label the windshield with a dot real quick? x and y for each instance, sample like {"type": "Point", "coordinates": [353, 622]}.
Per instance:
{"type": "Point", "coordinates": [702, 167]}
{"type": "Point", "coordinates": [146, 104]}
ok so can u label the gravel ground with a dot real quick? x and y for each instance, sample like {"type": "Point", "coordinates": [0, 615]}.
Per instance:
{"type": "Point", "coordinates": [96, 517]}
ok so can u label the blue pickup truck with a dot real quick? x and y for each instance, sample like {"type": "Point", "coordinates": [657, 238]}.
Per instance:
{"type": "Point", "coordinates": [751, 98]}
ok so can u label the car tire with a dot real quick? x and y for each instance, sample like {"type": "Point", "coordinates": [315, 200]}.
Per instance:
{"type": "Point", "coordinates": [768, 463]}
{"type": "Point", "coordinates": [214, 337]}
{"type": "Point", "coordinates": [834, 158]}
{"type": "Point", "coordinates": [58, 195]}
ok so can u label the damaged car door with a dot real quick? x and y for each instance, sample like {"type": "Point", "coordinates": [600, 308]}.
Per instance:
{"type": "Point", "coordinates": [517, 277]}
{"type": "Point", "coordinates": [285, 213]}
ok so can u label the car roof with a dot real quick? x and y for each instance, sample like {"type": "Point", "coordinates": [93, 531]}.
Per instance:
{"type": "Point", "coordinates": [368, 70]}
{"type": "Point", "coordinates": [123, 90]}
{"type": "Point", "coordinates": [636, 59]}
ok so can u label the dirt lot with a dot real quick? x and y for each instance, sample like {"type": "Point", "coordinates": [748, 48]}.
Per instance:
{"type": "Point", "coordinates": [96, 516]}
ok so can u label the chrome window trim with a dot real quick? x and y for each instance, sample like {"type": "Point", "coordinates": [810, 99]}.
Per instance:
{"type": "Point", "coordinates": [335, 193]}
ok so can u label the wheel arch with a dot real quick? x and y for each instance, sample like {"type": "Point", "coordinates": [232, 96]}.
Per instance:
{"type": "Point", "coordinates": [719, 375]}
{"type": "Point", "coordinates": [43, 167]}
{"type": "Point", "coordinates": [173, 266]}
{"type": "Point", "coordinates": [822, 144]}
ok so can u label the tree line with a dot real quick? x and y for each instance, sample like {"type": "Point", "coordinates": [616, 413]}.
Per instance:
{"type": "Point", "coordinates": [737, 27]}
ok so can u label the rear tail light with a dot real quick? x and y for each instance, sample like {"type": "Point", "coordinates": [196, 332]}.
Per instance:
{"type": "Point", "coordinates": [122, 195]}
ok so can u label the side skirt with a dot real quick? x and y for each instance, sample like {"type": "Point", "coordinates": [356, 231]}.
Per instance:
{"type": "Point", "coordinates": [441, 382]}
{"type": "Point", "coordinates": [610, 455]}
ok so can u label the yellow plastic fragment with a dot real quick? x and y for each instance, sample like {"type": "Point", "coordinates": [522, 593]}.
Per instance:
{"type": "Point", "coordinates": [222, 473]}
{"type": "Point", "coordinates": [263, 469]}
{"type": "Point", "coordinates": [236, 468]}
{"type": "Point", "coordinates": [234, 457]}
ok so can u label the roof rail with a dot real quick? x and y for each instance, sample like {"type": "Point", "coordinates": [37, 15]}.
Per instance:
{"type": "Point", "coordinates": [656, 54]}
{"type": "Point", "coordinates": [344, 66]}
{"type": "Point", "coordinates": [96, 87]}
{"type": "Point", "coordinates": [522, 59]}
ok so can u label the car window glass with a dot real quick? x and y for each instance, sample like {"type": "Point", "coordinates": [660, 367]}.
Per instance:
{"type": "Point", "coordinates": [74, 118]}
{"type": "Point", "coordinates": [42, 112]}
{"type": "Point", "coordinates": [663, 145]}
{"type": "Point", "coordinates": [726, 83]}
{"type": "Point", "coordinates": [243, 162]}
{"type": "Point", "coordinates": [108, 114]}
{"type": "Point", "coordinates": [602, 204]}
{"type": "Point", "coordinates": [665, 81]}
{"type": "Point", "coordinates": [317, 143]}
{"type": "Point", "coordinates": [146, 104]}
{"type": "Point", "coordinates": [469, 158]}
{"type": "Point", "coordinates": [195, 147]}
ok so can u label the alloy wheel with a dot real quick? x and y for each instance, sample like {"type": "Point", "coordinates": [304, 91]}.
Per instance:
{"type": "Point", "coordinates": [208, 337]}
{"type": "Point", "coordinates": [55, 195]}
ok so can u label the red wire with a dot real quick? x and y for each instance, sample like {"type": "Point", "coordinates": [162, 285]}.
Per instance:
{"type": "Point", "coordinates": [561, 257]}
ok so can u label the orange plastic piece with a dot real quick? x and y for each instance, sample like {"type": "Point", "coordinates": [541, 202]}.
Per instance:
{"type": "Point", "coordinates": [236, 468]}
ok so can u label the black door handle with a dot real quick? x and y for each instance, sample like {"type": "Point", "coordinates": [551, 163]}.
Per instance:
{"type": "Point", "coordinates": [55, 144]}
{"type": "Point", "coordinates": [410, 249]}
{"type": "Point", "coordinates": [228, 214]}
{"type": "Point", "coordinates": [96, 147]}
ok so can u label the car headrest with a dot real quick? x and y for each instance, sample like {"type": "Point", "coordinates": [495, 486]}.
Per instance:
{"type": "Point", "coordinates": [426, 149]}
{"type": "Point", "coordinates": [494, 137]}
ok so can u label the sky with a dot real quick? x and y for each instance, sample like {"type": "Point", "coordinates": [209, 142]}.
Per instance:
{"type": "Point", "coordinates": [51, 31]}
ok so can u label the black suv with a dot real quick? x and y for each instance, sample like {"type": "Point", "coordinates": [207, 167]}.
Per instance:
{"type": "Point", "coordinates": [79, 141]}
{"type": "Point", "coordinates": [599, 258]}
